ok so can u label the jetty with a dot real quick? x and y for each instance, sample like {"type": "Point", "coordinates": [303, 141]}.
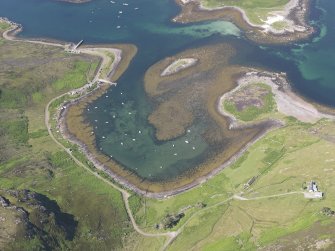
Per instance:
{"type": "Point", "coordinates": [73, 48]}
{"type": "Point", "coordinates": [106, 81]}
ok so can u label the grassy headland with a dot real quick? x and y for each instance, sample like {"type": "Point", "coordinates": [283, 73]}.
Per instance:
{"type": "Point", "coordinates": [281, 21]}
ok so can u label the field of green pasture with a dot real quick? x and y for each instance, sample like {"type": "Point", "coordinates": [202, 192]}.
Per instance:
{"type": "Point", "coordinates": [256, 10]}
{"type": "Point", "coordinates": [272, 207]}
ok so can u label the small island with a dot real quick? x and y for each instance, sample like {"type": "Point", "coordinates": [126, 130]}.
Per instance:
{"type": "Point", "coordinates": [178, 65]}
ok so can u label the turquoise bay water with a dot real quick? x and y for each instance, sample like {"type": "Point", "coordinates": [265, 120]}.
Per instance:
{"type": "Point", "coordinates": [315, 59]}
{"type": "Point", "coordinates": [120, 115]}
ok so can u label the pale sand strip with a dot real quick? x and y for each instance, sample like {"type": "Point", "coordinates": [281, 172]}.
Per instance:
{"type": "Point", "coordinates": [178, 65]}
{"type": "Point", "coordinates": [100, 52]}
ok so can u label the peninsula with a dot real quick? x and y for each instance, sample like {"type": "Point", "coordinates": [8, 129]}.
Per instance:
{"type": "Point", "coordinates": [263, 21]}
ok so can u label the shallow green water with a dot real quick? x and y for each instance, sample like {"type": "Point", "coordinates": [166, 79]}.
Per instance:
{"type": "Point", "coordinates": [120, 116]}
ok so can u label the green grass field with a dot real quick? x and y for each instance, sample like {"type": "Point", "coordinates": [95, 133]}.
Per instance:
{"type": "Point", "coordinates": [4, 26]}
{"type": "Point", "coordinates": [106, 69]}
{"type": "Point", "coordinates": [277, 162]}
{"type": "Point", "coordinates": [256, 10]}
{"type": "Point", "coordinates": [74, 78]}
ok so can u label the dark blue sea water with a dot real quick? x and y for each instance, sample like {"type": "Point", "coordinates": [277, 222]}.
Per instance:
{"type": "Point", "coordinates": [120, 116]}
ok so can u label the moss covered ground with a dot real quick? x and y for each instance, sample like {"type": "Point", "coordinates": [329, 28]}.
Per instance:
{"type": "Point", "coordinates": [251, 102]}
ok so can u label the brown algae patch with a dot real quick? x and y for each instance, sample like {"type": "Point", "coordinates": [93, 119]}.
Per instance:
{"type": "Point", "coordinates": [175, 119]}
